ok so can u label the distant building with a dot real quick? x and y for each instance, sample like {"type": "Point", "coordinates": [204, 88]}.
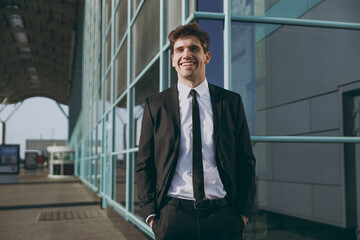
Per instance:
{"type": "Point", "coordinates": [42, 144]}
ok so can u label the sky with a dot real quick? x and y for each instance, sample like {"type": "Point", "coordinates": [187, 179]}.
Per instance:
{"type": "Point", "coordinates": [36, 118]}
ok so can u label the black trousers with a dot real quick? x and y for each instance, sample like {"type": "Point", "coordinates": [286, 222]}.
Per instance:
{"type": "Point", "coordinates": [183, 221]}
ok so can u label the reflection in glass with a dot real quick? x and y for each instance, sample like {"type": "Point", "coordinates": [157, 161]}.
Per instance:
{"type": "Point", "coordinates": [121, 119]}
{"type": "Point", "coordinates": [329, 10]}
{"type": "Point", "coordinates": [120, 187]}
{"type": "Point", "coordinates": [107, 92]}
{"type": "Point", "coordinates": [173, 16]}
{"type": "Point", "coordinates": [192, 6]}
{"type": "Point", "coordinates": [287, 76]}
{"type": "Point", "coordinates": [100, 137]}
{"type": "Point", "coordinates": [170, 77]}
{"type": "Point", "coordinates": [137, 210]}
{"type": "Point", "coordinates": [99, 104]}
{"type": "Point", "coordinates": [121, 71]}
{"type": "Point", "coordinates": [78, 160]}
{"type": "Point", "coordinates": [148, 85]}
{"type": "Point", "coordinates": [146, 32]}
{"type": "Point", "coordinates": [135, 4]}
{"type": "Point", "coordinates": [107, 51]}
{"type": "Point", "coordinates": [98, 171]}
{"type": "Point", "coordinates": [108, 8]}
{"type": "Point", "coordinates": [94, 110]}
{"type": "Point", "coordinates": [121, 21]}
{"type": "Point", "coordinates": [278, 69]}
{"type": "Point", "coordinates": [93, 142]}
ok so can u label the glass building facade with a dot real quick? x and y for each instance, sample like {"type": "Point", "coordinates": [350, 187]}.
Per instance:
{"type": "Point", "coordinates": [295, 64]}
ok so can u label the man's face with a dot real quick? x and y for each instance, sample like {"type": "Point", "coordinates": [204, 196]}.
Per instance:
{"type": "Point", "coordinates": [189, 59]}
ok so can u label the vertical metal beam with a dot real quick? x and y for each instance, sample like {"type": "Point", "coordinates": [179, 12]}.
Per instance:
{"type": "Point", "coordinates": [227, 44]}
{"type": "Point", "coordinates": [129, 132]}
{"type": "Point", "coordinates": [102, 159]}
{"type": "Point", "coordinates": [162, 42]}
{"type": "Point", "coordinates": [96, 105]}
{"type": "Point", "coordinates": [112, 97]}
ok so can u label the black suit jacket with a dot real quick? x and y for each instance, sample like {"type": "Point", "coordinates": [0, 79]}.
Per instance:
{"type": "Point", "coordinates": [159, 149]}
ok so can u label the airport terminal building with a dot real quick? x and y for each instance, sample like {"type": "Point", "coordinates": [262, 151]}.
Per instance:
{"type": "Point", "coordinates": [295, 64]}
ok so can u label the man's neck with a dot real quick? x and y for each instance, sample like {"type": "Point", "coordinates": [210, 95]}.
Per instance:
{"type": "Point", "coordinates": [191, 83]}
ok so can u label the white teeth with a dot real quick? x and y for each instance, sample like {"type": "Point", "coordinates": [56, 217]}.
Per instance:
{"type": "Point", "coordinates": [187, 64]}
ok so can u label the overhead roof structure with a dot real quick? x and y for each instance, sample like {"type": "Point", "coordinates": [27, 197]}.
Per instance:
{"type": "Point", "coordinates": [37, 40]}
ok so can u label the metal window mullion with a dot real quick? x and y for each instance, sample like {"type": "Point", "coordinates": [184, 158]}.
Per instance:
{"type": "Point", "coordinates": [140, 224]}
{"type": "Point", "coordinates": [132, 19]}
{"type": "Point", "coordinates": [190, 18]}
{"type": "Point", "coordinates": [134, 149]}
{"type": "Point", "coordinates": [129, 156]}
{"type": "Point", "coordinates": [129, 185]}
{"type": "Point", "coordinates": [102, 159]}
{"type": "Point", "coordinates": [227, 44]}
{"type": "Point", "coordinates": [166, 46]}
{"type": "Point", "coordinates": [161, 44]}
{"type": "Point", "coordinates": [144, 71]}
{"type": "Point", "coordinates": [278, 20]}
{"type": "Point", "coordinates": [112, 76]}
{"type": "Point", "coordinates": [84, 68]}
{"type": "Point", "coordinates": [116, 6]}
{"type": "Point", "coordinates": [98, 22]}
{"type": "Point", "coordinates": [296, 22]}
{"type": "Point", "coordinates": [82, 159]}
{"type": "Point", "coordinates": [209, 15]}
{"type": "Point", "coordinates": [118, 208]}
{"type": "Point", "coordinates": [185, 10]}
{"type": "Point", "coordinates": [169, 66]}
{"type": "Point", "coordinates": [117, 101]}
{"type": "Point", "coordinates": [118, 48]}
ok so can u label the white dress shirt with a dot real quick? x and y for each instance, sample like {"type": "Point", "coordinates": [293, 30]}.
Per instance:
{"type": "Point", "coordinates": [181, 185]}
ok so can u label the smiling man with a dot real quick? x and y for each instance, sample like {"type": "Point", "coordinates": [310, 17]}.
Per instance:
{"type": "Point", "coordinates": [195, 168]}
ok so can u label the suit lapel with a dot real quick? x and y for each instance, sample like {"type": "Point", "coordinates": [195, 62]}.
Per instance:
{"type": "Point", "coordinates": [175, 114]}
{"type": "Point", "coordinates": [173, 106]}
{"type": "Point", "coordinates": [216, 103]}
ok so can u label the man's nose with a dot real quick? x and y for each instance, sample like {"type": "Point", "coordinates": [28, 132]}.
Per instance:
{"type": "Point", "coordinates": [187, 53]}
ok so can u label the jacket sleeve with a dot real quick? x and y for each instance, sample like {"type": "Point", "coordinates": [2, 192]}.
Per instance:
{"type": "Point", "coordinates": [145, 165]}
{"type": "Point", "coordinates": [245, 164]}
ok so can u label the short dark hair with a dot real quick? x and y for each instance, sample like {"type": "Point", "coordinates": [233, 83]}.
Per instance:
{"type": "Point", "coordinates": [191, 29]}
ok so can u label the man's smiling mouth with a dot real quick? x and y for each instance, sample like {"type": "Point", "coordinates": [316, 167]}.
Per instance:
{"type": "Point", "coordinates": [187, 63]}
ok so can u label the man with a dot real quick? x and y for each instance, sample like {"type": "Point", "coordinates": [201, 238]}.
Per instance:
{"type": "Point", "coordinates": [195, 168]}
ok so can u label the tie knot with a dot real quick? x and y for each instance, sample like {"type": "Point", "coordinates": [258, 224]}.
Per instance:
{"type": "Point", "coordinates": [193, 93]}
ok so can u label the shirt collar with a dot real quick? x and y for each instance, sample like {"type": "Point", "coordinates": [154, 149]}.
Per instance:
{"type": "Point", "coordinates": [184, 91]}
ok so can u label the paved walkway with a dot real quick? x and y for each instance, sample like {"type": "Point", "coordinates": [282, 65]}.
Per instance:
{"type": "Point", "coordinates": [38, 207]}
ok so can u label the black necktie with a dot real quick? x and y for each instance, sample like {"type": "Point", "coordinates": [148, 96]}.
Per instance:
{"type": "Point", "coordinates": [198, 173]}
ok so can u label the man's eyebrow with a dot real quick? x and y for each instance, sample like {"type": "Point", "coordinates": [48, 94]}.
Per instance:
{"type": "Point", "coordinates": [180, 47]}
{"type": "Point", "coordinates": [191, 46]}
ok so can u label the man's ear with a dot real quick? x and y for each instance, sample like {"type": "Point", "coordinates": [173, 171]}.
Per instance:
{"type": "Point", "coordinates": [208, 57]}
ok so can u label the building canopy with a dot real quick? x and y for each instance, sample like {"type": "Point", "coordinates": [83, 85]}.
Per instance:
{"type": "Point", "coordinates": [37, 47]}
